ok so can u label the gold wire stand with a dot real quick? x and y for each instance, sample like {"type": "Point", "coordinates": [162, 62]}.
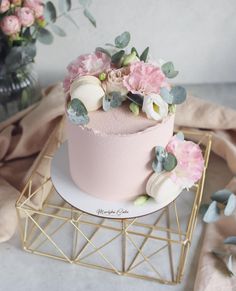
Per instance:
{"type": "Point", "coordinates": [152, 247]}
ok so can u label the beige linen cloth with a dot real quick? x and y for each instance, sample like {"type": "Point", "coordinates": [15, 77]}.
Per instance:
{"type": "Point", "coordinates": [22, 138]}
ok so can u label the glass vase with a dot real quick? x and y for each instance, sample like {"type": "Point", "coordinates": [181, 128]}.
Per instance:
{"type": "Point", "coordinates": [18, 90]}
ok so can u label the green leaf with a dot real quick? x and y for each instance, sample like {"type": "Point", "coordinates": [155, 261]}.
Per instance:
{"type": "Point", "coordinates": [169, 70]}
{"type": "Point", "coordinates": [179, 94]}
{"type": "Point", "coordinates": [106, 103]}
{"type": "Point", "coordinates": [231, 240]}
{"type": "Point", "coordinates": [102, 50]}
{"type": "Point", "coordinates": [203, 209]}
{"type": "Point", "coordinates": [57, 30]}
{"type": "Point", "coordinates": [230, 206]}
{"type": "Point", "coordinates": [170, 162]}
{"type": "Point", "coordinates": [78, 106]}
{"type": "Point", "coordinates": [166, 96]}
{"type": "Point", "coordinates": [90, 17]}
{"type": "Point", "coordinates": [45, 36]}
{"type": "Point", "coordinates": [144, 54]}
{"type": "Point", "coordinates": [141, 200]}
{"type": "Point", "coordinates": [122, 40]}
{"type": "Point", "coordinates": [77, 112]}
{"type": "Point", "coordinates": [68, 17]}
{"type": "Point", "coordinates": [180, 135]}
{"type": "Point", "coordinates": [221, 196]}
{"type": "Point", "coordinates": [50, 12]}
{"type": "Point", "coordinates": [116, 99]}
{"type": "Point", "coordinates": [136, 98]}
{"type": "Point", "coordinates": [14, 58]}
{"type": "Point", "coordinates": [85, 3]}
{"type": "Point", "coordinates": [134, 108]}
{"type": "Point", "coordinates": [116, 58]}
{"type": "Point", "coordinates": [157, 166]}
{"type": "Point", "coordinates": [212, 214]}
{"type": "Point", "coordinates": [134, 50]}
{"type": "Point", "coordinates": [64, 5]}
{"type": "Point", "coordinates": [229, 265]}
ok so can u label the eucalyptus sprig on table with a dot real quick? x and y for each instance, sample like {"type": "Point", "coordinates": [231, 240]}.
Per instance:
{"type": "Point", "coordinates": [222, 201]}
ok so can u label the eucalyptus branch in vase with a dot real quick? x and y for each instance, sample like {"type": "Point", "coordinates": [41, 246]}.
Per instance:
{"type": "Point", "coordinates": [222, 201]}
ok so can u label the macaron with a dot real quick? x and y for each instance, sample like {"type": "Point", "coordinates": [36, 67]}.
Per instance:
{"type": "Point", "coordinates": [88, 89]}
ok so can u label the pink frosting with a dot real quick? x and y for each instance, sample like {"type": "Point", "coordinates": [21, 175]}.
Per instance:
{"type": "Point", "coordinates": [112, 157]}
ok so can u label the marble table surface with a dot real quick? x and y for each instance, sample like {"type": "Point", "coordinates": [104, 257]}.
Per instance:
{"type": "Point", "coordinates": [21, 271]}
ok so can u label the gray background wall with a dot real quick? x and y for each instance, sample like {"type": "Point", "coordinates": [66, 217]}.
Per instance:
{"type": "Point", "coordinates": [198, 35]}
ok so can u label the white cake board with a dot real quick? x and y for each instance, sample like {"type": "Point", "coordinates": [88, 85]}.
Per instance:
{"type": "Point", "coordinates": [69, 191]}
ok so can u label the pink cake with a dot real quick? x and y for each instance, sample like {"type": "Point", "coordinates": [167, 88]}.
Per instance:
{"type": "Point", "coordinates": [120, 111]}
{"type": "Point", "coordinates": [111, 157]}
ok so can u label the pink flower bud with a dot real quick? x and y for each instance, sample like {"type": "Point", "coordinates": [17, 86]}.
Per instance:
{"type": "Point", "coordinates": [10, 25]}
{"type": "Point", "coordinates": [5, 5]}
{"type": "Point", "coordinates": [25, 16]}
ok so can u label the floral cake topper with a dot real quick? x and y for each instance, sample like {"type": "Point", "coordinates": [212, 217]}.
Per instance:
{"type": "Point", "coordinates": [108, 77]}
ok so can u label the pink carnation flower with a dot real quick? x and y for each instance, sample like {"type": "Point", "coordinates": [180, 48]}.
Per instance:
{"type": "Point", "coordinates": [144, 79]}
{"type": "Point", "coordinates": [10, 25]}
{"type": "Point", "coordinates": [190, 161]}
{"type": "Point", "coordinates": [88, 64]}
{"type": "Point", "coordinates": [5, 5]}
{"type": "Point", "coordinates": [25, 16]}
{"type": "Point", "coordinates": [36, 6]}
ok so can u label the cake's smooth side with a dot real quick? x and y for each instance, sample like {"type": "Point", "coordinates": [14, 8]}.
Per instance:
{"type": "Point", "coordinates": [111, 166]}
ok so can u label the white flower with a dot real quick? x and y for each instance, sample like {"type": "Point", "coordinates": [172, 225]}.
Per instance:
{"type": "Point", "coordinates": [155, 107]}
{"type": "Point", "coordinates": [162, 188]}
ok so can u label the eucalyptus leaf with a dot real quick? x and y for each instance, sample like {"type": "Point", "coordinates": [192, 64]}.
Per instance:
{"type": "Point", "coordinates": [180, 135]}
{"type": "Point", "coordinates": [221, 196]}
{"type": "Point", "coordinates": [231, 240]}
{"type": "Point", "coordinates": [141, 200]}
{"type": "Point", "coordinates": [229, 265]}
{"type": "Point", "coordinates": [14, 58]}
{"type": "Point", "coordinates": [106, 104]}
{"type": "Point", "coordinates": [203, 209]}
{"type": "Point", "coordinates": [57, 30]}
{"type": "Point", "coordinates": [230, 206]}
{"type": "Point", "coordinates": [77, 112]}
{"type": "Point", "coordinates": [90, 17]}
{"type": "Point", "coordinates": [213, 213]}
{"type": "Point", "coordinates": [77, 106]}
{"type": "Point", "coordinates": [157, 166]}
{"type": "Point", "coordinates": [166, 96]}
{"type": "Point", "coordinates": [50, 12]}
{"type": "Point", "coordinates": [169, 70]}
{"type": "Point", "coordinates": [116, 99]}
{"type": "Point", "coordinates": [122, 40]}
{"type": "Point", "coordinates": [85, 3]}
{"type": "Point", "coordinates": [179, 94]}
{"type": "Point", "coordinates": [170, 162]}
{"type": "Point", "coordinates": [144, 54]}
{"type": "Point", "coordinates": [64, 5]}
{"type": "Point", "coordinates": [45, 36]}
{"type": "Point", "coordinates": [116, 58]}
{"type": "Point", "coordinates": [102, 50]}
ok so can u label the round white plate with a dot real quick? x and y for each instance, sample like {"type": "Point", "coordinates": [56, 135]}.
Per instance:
{"type": "Point", "coordinates": [66, 188]}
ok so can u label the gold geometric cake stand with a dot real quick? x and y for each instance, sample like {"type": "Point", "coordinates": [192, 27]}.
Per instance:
{"type": "Point", "coordinates": [153, 247]}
